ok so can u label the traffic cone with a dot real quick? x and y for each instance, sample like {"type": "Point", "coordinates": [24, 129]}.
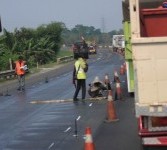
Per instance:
{"type": "Point", "coordinates": [111, 113]}
{"type": "Point", "coordinates": [118, 90]}
{"type": "Point", "coordinates": [122, 70]}
{"type": "Point", "coordinates": [89, 145]}
{"type": "Point", "coordinates": [107, 82]}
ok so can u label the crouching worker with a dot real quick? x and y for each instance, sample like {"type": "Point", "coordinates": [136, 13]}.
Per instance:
{"type": "Point", "coordinates": [96, 88]}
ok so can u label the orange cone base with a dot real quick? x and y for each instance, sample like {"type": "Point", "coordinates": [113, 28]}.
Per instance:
{"type": "Point", "coordinates": [89, 146]}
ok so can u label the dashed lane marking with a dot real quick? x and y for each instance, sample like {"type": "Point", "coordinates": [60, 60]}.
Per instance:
{"type": "Point", "coordinates": [90, 104]}
{"type": "Point", "coordinates": [51, 145]}
{"type": "Point", "coordinates": [78, 118]}
{"type": "Point", "coordinates": [69, 128]}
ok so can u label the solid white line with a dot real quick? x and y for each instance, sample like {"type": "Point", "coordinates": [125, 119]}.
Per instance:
{"type": "Point", "coordinates": [67, 129]}
{"type": "Point", "coordinates": [51, 145]}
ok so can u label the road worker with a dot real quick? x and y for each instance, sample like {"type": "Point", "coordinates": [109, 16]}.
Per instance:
{"type": "Point", "coordinates": [20, 70]}
{"type": "Point", "coordinates": [79, 76]}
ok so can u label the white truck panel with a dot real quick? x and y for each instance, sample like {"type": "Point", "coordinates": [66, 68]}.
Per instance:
{"type": "Point", "coordinates": [150, 66]}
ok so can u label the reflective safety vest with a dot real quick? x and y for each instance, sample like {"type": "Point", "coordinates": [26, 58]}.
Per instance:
{"type": "Point", "coordinates": [79, 66]}
{"type": "Point", "coordinates": [19, 66]}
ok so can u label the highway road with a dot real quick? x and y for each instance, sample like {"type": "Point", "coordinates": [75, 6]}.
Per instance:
{"type": "Point", "coordinates": [37, 120]}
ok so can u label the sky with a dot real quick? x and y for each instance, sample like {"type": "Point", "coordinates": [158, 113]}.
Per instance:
{"type": "Point", "coordinates": [101, 14]}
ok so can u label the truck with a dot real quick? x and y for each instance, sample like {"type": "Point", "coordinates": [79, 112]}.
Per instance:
{"type": "Point", "coordinates": [118, 43]}
{"type": "Point", "coordinates": [92, 46]}
{"type": "Point", "coordinates": [144, 23]}
{"type": "Point", "coordinates": [80, 48]}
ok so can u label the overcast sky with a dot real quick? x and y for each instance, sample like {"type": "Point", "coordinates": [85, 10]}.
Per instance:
{"type": "Point", "coordinates": [102, 14]}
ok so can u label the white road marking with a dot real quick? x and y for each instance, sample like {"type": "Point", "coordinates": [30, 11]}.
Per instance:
{"type": "Point", "coordinates": [79, 117]}
{"type": "Point", "coordinates": [51, 145]}
{"type": "Point", "coordinates": [67, 129]}
{"type": "Point", "coordinates": [90, 104]}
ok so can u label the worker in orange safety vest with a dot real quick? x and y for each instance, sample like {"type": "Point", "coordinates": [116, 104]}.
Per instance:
{"type": "Point", "coordinates": [20, 70]}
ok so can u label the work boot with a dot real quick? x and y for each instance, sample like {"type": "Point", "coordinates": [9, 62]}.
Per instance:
{"type": "Point", "coordinates": [75, 99]}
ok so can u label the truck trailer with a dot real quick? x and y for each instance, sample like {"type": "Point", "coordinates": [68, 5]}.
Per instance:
{"type": "Point", "coordinates": [145, 31]}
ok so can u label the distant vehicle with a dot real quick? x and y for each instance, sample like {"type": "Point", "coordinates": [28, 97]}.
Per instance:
{"type": "Point", "coordinates": [92, 50]}
{"type": "Point", "coordinates": [80, 48]}
{"type": "Point", "coordinates": [118, 42]}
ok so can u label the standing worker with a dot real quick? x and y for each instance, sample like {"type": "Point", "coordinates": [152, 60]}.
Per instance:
{"type": "Point", "coordinates": [20, 70]}
{"type": "Point", "coordinates": [79, 75]}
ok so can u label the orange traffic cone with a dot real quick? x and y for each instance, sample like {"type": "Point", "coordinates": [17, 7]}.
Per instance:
{"type": "Point", "coordinates": [111, 113]}
{"type": "Point", "coordinates": [122, 70]}
{"type": "Point", "coordinates": [107, 82]}
{"type": "Point", "coordinates": [89, 145]}
{"type": "Point", "coordinates": [118, 90]}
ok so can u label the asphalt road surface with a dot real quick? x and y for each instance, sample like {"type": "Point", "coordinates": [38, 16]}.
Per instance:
{"type": "Point", "coordinates": [45, 118]}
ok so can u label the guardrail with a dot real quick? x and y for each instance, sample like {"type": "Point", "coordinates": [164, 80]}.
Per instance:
{"type": "Point", "coordinates": [65, 59]}
{"type": "Point", "coordinates": [10, 74]}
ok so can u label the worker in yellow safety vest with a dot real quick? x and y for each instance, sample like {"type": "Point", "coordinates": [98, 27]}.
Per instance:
{"type": "Point", "coordinates": [79, 75]}
{"type": "Point", "coordinates": [20, 70]}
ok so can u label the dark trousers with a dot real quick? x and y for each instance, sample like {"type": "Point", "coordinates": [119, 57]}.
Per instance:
{"type": "Point", "coordinates": [81, 83]}
{"type": "Point", "coordinates": [21, 82]}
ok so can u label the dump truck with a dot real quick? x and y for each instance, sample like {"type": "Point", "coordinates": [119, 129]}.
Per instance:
{"type": "Point", "coordinates": [144, 23]}
{"type": "Point", "coordinates": [80, 48]}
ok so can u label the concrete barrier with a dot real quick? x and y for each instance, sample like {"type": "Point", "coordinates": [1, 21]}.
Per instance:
{"type": "Point", "coordinates": [8, 74]}
{"type": "Point", "coordinates": [65, 59]}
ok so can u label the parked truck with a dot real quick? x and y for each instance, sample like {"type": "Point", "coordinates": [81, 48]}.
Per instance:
{"type": "Point", "coordinates": [118, 42]}
{"type": "Point", "coordinates": [145, 31]}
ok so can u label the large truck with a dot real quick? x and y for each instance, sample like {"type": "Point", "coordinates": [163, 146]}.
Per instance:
{"type": "Point", "coordinates": [145, 31]}
{"type": "Point", "coordinates": [80, 48]}
{"type": "Point", "coordinates": [118, 42]}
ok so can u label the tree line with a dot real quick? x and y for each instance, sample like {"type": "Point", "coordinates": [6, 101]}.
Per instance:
{"type": "Point", "coordinates": [43, 43]}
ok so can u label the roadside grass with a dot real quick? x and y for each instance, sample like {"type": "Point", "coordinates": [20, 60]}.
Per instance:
{"type": "Point", "coordinates": [61, 53]}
